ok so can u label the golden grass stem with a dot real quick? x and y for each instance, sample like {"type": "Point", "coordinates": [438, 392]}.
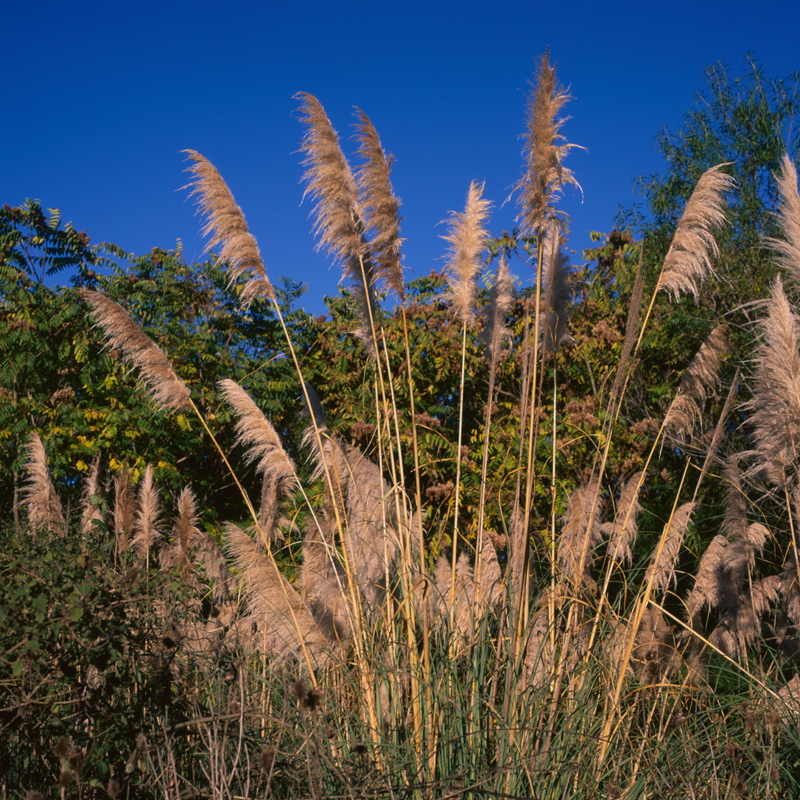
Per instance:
{"type": "Point", "coordinates": [641, 605]}
{"type": "Point", "coordinates": [458, 473]}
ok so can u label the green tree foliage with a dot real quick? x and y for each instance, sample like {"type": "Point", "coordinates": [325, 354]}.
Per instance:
{"type": "Point", "coordinates": [747, 122]}
{"type": "Point", "coordinates": [57, 377]}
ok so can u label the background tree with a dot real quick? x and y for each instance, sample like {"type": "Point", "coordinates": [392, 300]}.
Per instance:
{"type": "Point", "coordinates": [57, 378]}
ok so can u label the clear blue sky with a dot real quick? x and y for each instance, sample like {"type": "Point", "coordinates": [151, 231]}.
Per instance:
{"type": "Point", "coordinates": [99, 99]}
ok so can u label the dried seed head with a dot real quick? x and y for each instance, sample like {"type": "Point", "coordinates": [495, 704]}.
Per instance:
{"type": "Point", "coordinates": [775, 406]}
{"type": "Point", "coordinates": [545, 176]}
{"type": "Point", "coordinates": [225, 225]}
{"type": "Point", "coordinates": [558, 294]}
{"type": "Point", "coordinates": [688, 261]}
{"type": "Point", "coordinates": [496, 333]}
{"type": "Point", "coordinates": [467, 239]}
{"type": "Point", "coordinates": [379, 206]}
{"type": "Point", "coordinates": [338, 219]}
{"type": "Point", "coordinates": [787, 250]}
{"type": "Point", "coordinates": [164, 386]}
{"type": "Point", "coordinates": [44, 507]}
{"type": "Point", "coordinates": [307, 698]}
{"type": "Point", "coordinates": [662, 566]}
{"type": "Point", "coordinates": [699, 381]}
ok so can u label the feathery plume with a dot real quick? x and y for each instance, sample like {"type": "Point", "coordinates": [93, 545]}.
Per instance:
{"type": "Point", "coordinates": [338, 223]}
{"type": "Point", "coordinates": [44, 507]}
{"type": "Point", "coordinates": [685, 411]}
{"type": "Point", "coordinates": [539, 653]}
{"type": "Point", "coordinates": [653, 645]}
{"type": "Point", "coordinates": [688, 261]}
{"type": "Point", "coordinates": [558, 295]}
{"type": "Point", "coordinates": [788, 248]}
{"type": "Point", "coordinates": [775, 406]}
{"type": "Point", "coordinates": [576, 536]}
{"type": "Point", "coordinates": [727, 561]}
{"type": "Point", "coordinates": [488, 588]}
{"type": "Point", "coordinates": [322, 580]}
{"type": "Point", "coordinates": [124, 508]}
{"type": "Point", "coordinates": [225, 224]}
{"type": "Point", "coordinates": [748, 540]}
{"type": "Point", "coordinates": [756, 536]}
{"type": "Point", "coordinates": [164, 386]}
{"type": "Point", "coordinates": [734, 524]}
{"type": "Point", "coordinates": [91, 511]}
{"type": "Point", "coordinates": [495, 333]}
{"type": "Point", "coordinates": [185, 531]}
{"type": "Point", "coordinates": [462, 597]}
{"type": "Point", "coordinates": [270, 519]}
{"type": "Point", "coordinates": [283, 619]}
{"type": "Point", "coordinates": [330, 184]}
{"type": "Point", "coordinates": [379, 206]}
{"type": "Point", "coordinates": [662, 569]}
{"type": "Point", "coordinates": [277, 469]}
{"type": "Point", "coordinates": [631, 328]}
{"type": "Point", "coordinates": [790, 587]}
{"type": "Point", "coordinates": [148, 515]}
{"type": "Point", "coordinates": [545, 176]}
{"type": "Point", "coordinates": [740, 625]}
{"type": "Point", "coordinates": [329, 462]}
{"type": "Point", "coordinates": [365, 503]}
{"type": "Point", "coordinates": [208, 554]}
{"type": "Point", "coordinates": [255, 430]}
{"type": "Point", "coordinates": [622, 532]}
{"type": "Point", "coordinates": [712, 586]}
{"type": "Point", "coordinates": [371, 528]}
{"type": "Point", "coordinates": [787, 705]}
{"type": "Point", "coordinates": [467, 238]}
{"type": "Point", "coordinates": [763, 593]}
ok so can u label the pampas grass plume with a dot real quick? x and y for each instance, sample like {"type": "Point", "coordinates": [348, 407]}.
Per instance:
{"type": "Point", "coordinates": [255, 431]}
{"type": "Point", "coordinates": [329, 183]}
{"type": "Point", "coordinates": [558, 295]}
{"type": "Point", "coordinates": [662, 567]}
{"type": "Point", "coordinates": [124, 508]}
{"type": "Point", "coordinates": [44, 507]}
{"type": "Point", "coordinates": [379, 206]}
{"type": "Point", "coordinates": [787, 249]}
{"type": "Point", "coordinates": [622, 532]}
{"type": "Point", "coordinates": [164, 386]}
{"type": "Point", "coordinates": [688, 261]}
{"type": "Point", "coordinates": [90, 509]}
{"type": "Point", "coordinates": [148, 515]}
{"type": "Point", "coordinates": [685, 411]}
{"type": "Point", "coordinates": [496, 333]}
{"type": "Point", "coordinates": [225, 224]}
{"type": "Point", "coordinates": [467, 239]}
{"type": "Point", "coordinates": [544, 152]}
{"type": "Point", "coordinates": [284, 621]}
{"type": "Point", "coordinates": [775, 405]}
